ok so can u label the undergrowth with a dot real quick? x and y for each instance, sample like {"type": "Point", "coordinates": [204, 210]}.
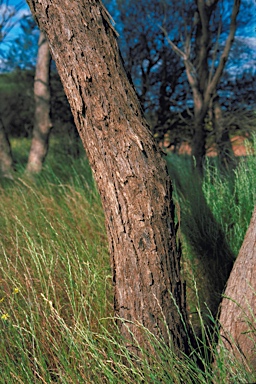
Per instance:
{"type": "Point", "coordinates": [56, 294]}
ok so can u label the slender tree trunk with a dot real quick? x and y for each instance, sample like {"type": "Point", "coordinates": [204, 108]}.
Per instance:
{"type": "Point", "coordinates": [42, 120]}
{"type": "Point", "coordinates": [238, 308]}
{"type": "Point", "coordinates": [198, 144]}
{"type": "Point", "coordinates": [6, 160]}
{"type": "Point", "coordinates": [130, 173]}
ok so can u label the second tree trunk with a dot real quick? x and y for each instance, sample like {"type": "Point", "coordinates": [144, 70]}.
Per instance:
{"type": "Point", "coordinates": [42, 121]}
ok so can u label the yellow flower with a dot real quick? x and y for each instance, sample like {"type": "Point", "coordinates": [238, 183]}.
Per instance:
{"type": "Point", "coordinates": [5, 316]}
{"type": "Point", "coordinates": [15, 291]}
{"type": "Point", "coordinates": [1, 300]}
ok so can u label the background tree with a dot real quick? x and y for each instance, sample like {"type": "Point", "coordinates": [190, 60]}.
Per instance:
{"type": "Point", "coordinates": [7, 22]}
{"type": "Point", "coordinates": [42, 120]}
{"type": "Point", "coordinates": [7, 17]}
{"type": "Point", "coordinates": [129, 170]}
{"type": "Point", "coordinates": [160, 79]}
{"type": "Point", "coordinates": [158, 74]}
{"type": "Point", "coordinates": [6, 161]}
{"type": "Point", "coordinates": [17, 102]}
{"type": "Point", "coordinates": [23, 49]}
{"type": "Point", "coordinates": [238, 308]}
{"type": "Point", "coordinates": [154, 68]}
{"type": "Point", "coordinates": [205, 62]}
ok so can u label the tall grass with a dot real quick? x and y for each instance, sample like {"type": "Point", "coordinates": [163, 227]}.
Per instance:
{"type": "Point", "coordinates": [56, 315]}
{"type": "Point", "coordinates": [214, 214]}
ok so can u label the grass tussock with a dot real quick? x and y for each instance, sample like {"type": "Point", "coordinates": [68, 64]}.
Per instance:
{"type": "Point", "coordinates": [56, 315]}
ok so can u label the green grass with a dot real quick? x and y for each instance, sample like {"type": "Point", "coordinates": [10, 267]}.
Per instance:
{"type": "Point", "coordinates": [56, 294]}
{"type": "Point", "coordinates": [214, 215]}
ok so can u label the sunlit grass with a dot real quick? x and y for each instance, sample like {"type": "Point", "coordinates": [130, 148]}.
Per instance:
{"type": "Point", "coordinates": [56, 313]}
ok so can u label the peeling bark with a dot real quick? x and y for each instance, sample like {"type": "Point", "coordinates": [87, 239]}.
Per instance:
{"type": "Point", "coordinates": [42, 120]}
{"type": "Point", "coordinates": [238, 307]}
{"type": "Point", "coordinates": [131, 175]}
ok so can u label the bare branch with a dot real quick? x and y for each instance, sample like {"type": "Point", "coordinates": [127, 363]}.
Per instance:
{"type": "Point", "coordinates": [176, 49]}
{"type": "Point", "coordinates": [190, 69]}
{"type": "Point", "coordinates": [7, 17]}
{"type": "Point", "coordinates": [214, 54]}
{"type": "Point", "coordinates": [223, 59]}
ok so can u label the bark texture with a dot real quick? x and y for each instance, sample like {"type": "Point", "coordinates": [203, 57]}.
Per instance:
{"type": "Point", "coordinates": [130, 173]}
{"type": "Point", "coordinates": [6, 161]}
{"type": "Point", "coordinates": [238, 308]}
{"type": "Point", "coordinates": [42, 120]}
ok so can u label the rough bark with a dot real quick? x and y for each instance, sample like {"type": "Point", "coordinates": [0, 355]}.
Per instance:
{"type": "Point", "coordinates": [130, 173]}
{"type": "Point", "coordinates": [238, 308]}
{"type": "Point", "coordinates": [42, 120]}
{"type": "Point", "coordinates": [6, 160]}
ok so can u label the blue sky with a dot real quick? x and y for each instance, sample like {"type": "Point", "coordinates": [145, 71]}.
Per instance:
{"type": "Point", "coordinates": [247, 36]}
{"type": "Point", "coordinates": [249, 31]}
{"type": "Point", "coordinates": [14, 32]}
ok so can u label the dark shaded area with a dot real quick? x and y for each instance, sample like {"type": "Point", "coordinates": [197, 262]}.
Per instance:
{"type": "Point", "coordinates": [17, 108]}
{"type": "Point", "coordinates": [213, 257]}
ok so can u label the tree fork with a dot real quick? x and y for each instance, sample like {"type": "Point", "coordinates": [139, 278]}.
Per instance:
{"type": "Point", "coordinates": [131, 175]}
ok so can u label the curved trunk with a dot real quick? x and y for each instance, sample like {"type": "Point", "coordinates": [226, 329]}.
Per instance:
{"type": "Point", "coordinates": [42, 121]}
{"type": "Point", "coordinates": [238, 308]}
{"type": "Point", "coordinates": [130, 173]}
{"type": "Point", "coordinates": [6, 161]}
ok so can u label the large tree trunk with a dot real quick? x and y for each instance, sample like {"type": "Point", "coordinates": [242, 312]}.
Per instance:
{"type": "Point", "coordinates": [238, 308]}
{"type": "Point", "coordinates": [130, 172]}
{"type": "Point", "coordinates": [42, 120]}
{"type": "Point", "coordinates": [6, 161]}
